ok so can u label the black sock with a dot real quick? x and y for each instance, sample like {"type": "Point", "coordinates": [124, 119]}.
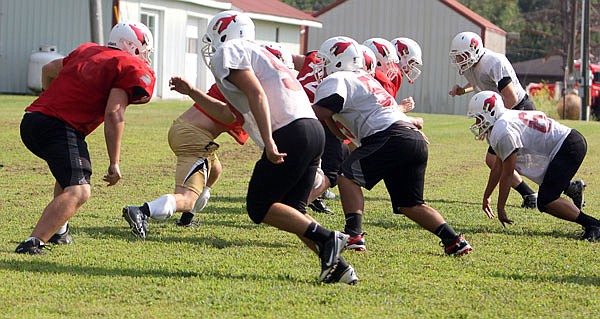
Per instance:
{"type": "Point", "coordinates": [446, 234]}
{"type": "Point", "coordinates": [524, 189]}
{"type": "Point", "coordinates": [353, 224]}
{"type": "Point", "coordinates": [317, 233]}
{"type": "Point", "coordinates": [145, 209]}
{"type": "Point", "coordinates": [586, 220]}
{"type": "Point", "coordinates": [186, 217]}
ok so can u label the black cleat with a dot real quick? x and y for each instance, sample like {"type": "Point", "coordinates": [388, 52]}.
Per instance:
{"type": "Point", "coordinates": [186, 220]}
{"type": "Point", "coordinates": [32, 246]}
{"type": "Point", "coordinates": [575, 192]}
{"type": "Point", "coordinates": [530, 201]}
{"type": "Point", "coordinates": [137, 220]}
{"type": "Point", "coordinates": [319, 206]}
{"type": "Point", "coordinates": [591, 233]}
{"type": "Point", "coordinates": [61, 239]}
{"type": "Point", "coordinates": [329, 253]}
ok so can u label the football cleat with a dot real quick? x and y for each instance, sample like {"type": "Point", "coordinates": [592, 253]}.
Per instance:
{"type": "Point", "coordinates": [458, 248]}
{"type": "Point", "coordinates": [356, 243]}
{"type": "Point", "coordinates": [343, 274]}
{"type": "Point", "coordinates": [329, 253]}
{"type": "Point", "coordinates": [327, 195]}
{"type": "Point", "coordinates": [319, 206]}
{"type": "Point", "coordinates": [61, 239]}
{"type": "Point", "coordinates": [137, 220]}
{"type": "Point", "coordinates": [575, 192]}
{"type": "Point", "coordinates": [32, 246]}
{"type": "Point", "coordinates": [530, 201]}
{"type": "Point", "coordinates": [591, 233]}
{"type": "Point", "coordinates": [186, 220]}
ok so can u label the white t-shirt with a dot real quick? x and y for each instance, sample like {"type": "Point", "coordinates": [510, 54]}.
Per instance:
{"type": "Point", "coordinates": [537, 138]}
{"type": "Point", "coordinates": [368, 108]}
{"type": "Point", "coordinates": [287, 100]}
{"type": "Point", "coordinates": [491, 68]}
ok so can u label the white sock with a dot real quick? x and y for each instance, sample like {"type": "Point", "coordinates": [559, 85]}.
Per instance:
{"type": "Point", "coordinates": [32, 238]}
{"type": "Point", "coordinates": [163, 207]}
{"type": "Point", "coordinates": [62, 229]}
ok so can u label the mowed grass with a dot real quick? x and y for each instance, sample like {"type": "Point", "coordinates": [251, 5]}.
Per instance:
{"type": "Point", "coordinates": [228, 267]}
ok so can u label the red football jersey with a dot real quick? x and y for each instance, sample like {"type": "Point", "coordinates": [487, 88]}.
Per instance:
{"type": "Point", "coordinates": [307, 76]}
{"type": "Point", "coordinates": [79, 94]}
{"type": "Point", "coordinates": [234, 129]}
{"type": "Point", "coordinates": [387, 84]}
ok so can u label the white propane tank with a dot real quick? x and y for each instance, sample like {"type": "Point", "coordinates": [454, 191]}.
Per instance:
{"type": "Point", "coordinates": [45, 54]}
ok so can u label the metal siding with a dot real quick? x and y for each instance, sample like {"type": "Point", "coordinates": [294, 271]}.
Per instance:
{"type": "Point", "coordinates": [64, 23]}
{"type": "Point", "coordinates": [429, 22]}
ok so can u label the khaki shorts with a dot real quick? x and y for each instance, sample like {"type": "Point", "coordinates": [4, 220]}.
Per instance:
{"type": "Point", "coordinates": [195, 151]}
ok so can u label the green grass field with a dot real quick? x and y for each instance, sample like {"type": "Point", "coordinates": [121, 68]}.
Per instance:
{"type": "Point", "coordinates": [228, 267]}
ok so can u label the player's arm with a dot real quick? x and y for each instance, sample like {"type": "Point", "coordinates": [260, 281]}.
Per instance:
{"type": "Point", "coordinates": [114, 122]}
{"type": "Point", "coordinates": [460, 90]}
{"type": "Point", "coordinates": [248, 83]}
{"type": "Point", "coordinates": [508, 167]}
{"type": "Point", "coordinates": [508, 92]}
{"type": "Point", "coordinates": [298, 60]}
{"type": "Point", "coordinates": [213, 107]}
{"type": "Point", "coordinates": [50, 71]}
{"type": "Point", "coordinates": [324, 110]}
{"type": "Point", "coordinates": [493, 179]}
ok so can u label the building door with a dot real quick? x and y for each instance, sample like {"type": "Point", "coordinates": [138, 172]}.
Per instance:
{"type": "Point", "coordinates": [151, 19]}
{"type": "Point", "coordinates": [192, 51]}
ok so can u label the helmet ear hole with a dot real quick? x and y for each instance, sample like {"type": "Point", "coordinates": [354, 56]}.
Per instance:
{"type": "Point", "coordinates": [223, 38]}
{"type": "Point", "coordinates": [339, 64]}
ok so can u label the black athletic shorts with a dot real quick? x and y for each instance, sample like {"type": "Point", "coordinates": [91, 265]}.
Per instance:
{"type": "Point", "coordinates": [288, 183]}
{"type": "Point", "coordinates": [333, 155]}
{"type": "Point", "coordinates": [60, 145]}
{"type": "Point", "coordinates": [397, 155]}
{"type": "Point", "coordinates": [562, 168]}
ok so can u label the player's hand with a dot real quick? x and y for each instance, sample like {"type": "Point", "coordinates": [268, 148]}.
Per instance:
{"type": "Point", "coordinates": [273, 154]}
{"type": "Point", "coordinates": [180, 85]}
{"type": "Point", "coordinates": [487, 208]}
{"type": "Point", "coordinates": [407, 104]}
{"type": "Point", "coordinates": [456, 90]}
{"type": "Point", "coordinates": [503, 218]}
{"type": "Point", "coordinates": [113, 176]}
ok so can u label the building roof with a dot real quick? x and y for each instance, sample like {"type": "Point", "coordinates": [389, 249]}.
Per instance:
{"type": "Point", "coordinates": [453, 4]}
{"type": "Point", "coordinates": [274, 10]}
{"type": "Point", "coordinates": [550, 68]}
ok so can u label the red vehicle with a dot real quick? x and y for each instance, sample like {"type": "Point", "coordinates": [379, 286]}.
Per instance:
{"type": "Point", "coordinates": [534, 89]}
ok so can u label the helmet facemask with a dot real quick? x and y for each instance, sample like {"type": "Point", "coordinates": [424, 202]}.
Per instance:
{"type": "Point", "coordinates": [225, 26]}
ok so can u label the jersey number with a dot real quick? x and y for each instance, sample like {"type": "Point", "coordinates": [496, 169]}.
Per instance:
{"type": "Point", "coordinates": [537, 121]}
{"type": "Point", "coordinates": [383, 97]}
{"type": "Point", "coordinates": [288, 79]}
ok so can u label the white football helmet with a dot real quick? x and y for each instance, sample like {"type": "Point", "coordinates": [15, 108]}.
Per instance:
{"type": "Point", "coordinates": [132, 37]}
{"type": "Point", "coordinates": [370, 59]}
{"type": "Point", "coordinates": [386, 55]}
{"type": "Point", "coordinates": [224, 26]}
{"type": "Point", "coordinates": [338, 54]}
{"type": "Point", "coordinates": [409, 52]}
{"type": "Point", "coordinates": [466, 50]}
{"type": "Point", "coordinates": [486, 107]}
{"type": "Point", "coordinates": [281, 52]}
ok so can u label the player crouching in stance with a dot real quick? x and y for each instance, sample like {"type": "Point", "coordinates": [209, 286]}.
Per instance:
{"type": "Point", "coordinates": [355, 106]}
{"type": "Point", "coordinates": [279, 118]}
{"type": "Point", "coordinates": [75, 102]}
{"type": "Point", "coordinates": [191, 138]}
{"type": "Point", "coordinates": [539, 148]}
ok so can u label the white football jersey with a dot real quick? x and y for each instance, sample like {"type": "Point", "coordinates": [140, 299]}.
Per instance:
{"type": "Point", "coordinates": [537, 138]}
{"type": "Point", "coordinates": [491, 68]}
{"type": "Point", "coordinates": [287, 100]}
{"type": "Point", "coordinates": [368, 108]}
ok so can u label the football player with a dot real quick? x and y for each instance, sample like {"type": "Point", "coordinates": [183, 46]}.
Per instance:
{"type": "Point", "coordinates": [486, 70]}
{"type": "Point", "coordinates": [74, 103]}
{"type": "Point", "coordinates": [355, 106]}
{"type": "Point", "coordinates": [191, 137]}
{"type": "Point", "coordinates": [538, 147]}
{"type": "Point", "coordinates": [279, 118]}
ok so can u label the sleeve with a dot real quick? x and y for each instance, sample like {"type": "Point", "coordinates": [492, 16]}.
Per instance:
{"type": "Point", "coordinates": [137, 79]}
{"type": "Point", "coordinates": [331, 92]}
{"type": "Point", "coordinates": [500, 69]}
{"type": "Point", "coordinates": [230, 55]}
{"type": "Point", "coordinates": [504, 141]}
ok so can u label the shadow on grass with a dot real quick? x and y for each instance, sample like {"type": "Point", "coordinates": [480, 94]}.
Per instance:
{"type": "Point", "coordinates": [124, 233]}
{"type": "Point", "coordinates": [589, 280]}
{"type": "Point", "coordinates": [34, 264]}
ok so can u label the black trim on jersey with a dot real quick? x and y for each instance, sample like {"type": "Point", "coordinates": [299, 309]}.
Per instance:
{"type": "Point", "coordinates": [334, 102]}
{"type": "Point", "coordinates": [504, 82]}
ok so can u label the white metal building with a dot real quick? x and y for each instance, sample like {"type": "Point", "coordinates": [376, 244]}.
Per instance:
{"type": "Point", "coordinates": [177, 26]}
{"type": "Point", "coordinates": [432, 23]}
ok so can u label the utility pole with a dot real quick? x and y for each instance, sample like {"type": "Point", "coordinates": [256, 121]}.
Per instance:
{"type": "Point", "coordinates": [585, 59]}
{"type": "Point", "coordinates": [96, 21]}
